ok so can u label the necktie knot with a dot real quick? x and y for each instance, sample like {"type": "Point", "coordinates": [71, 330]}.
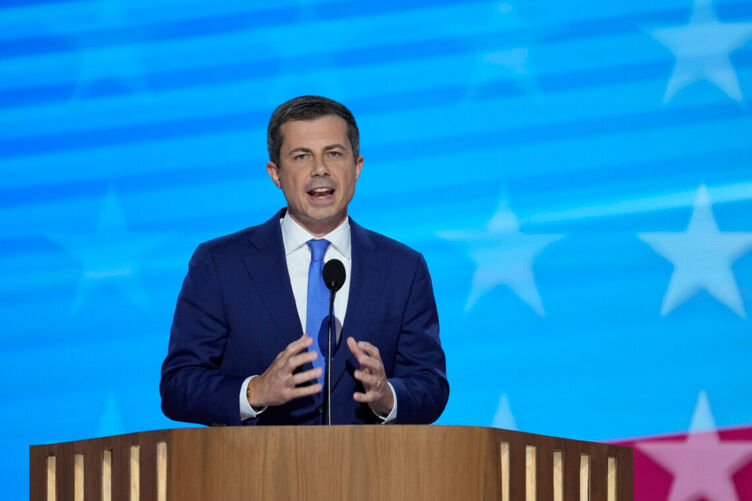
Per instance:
{"type": "Point", "coordinates": [318, 248]}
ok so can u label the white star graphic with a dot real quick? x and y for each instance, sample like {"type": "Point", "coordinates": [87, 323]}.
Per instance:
{"type": "Point", "coordinates": [508, 63]}
{"type": "Point", "coordinates": [702, 49]}
{"type": "Point", "coordinates": [702, 464]}
{"type": "Point", "coordinates": [110, 255]}
{"type": "Point", "coordinates": [702, 257]}
{"type": "Point", "coordinates": [111, 421]}
{"type": "Point", "coordinates": [504, 417]}
{"type": "Point", "coordinates": [502, 255]}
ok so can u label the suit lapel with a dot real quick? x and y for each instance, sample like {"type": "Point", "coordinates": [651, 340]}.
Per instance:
{"type": "Point", "coordinates": [267, 267]}
{"type": "Point", "coordinates": [366, 285]}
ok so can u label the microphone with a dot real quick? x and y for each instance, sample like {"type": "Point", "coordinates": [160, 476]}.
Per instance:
{"type": "Point", "coordinates": [334, 274]}
{"type": "Point", "coordinates": [334, 277]}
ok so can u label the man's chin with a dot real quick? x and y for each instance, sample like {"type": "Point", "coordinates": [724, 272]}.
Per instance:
{"type": "Point", "coordinates": [320, 222]}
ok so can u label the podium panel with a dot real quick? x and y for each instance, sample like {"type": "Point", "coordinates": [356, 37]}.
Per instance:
{"type": "Point", "coordinates": [331, 463]}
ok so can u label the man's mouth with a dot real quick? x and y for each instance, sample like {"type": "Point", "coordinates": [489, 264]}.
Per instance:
{"type": "Point", "coordinates": [321, 193]}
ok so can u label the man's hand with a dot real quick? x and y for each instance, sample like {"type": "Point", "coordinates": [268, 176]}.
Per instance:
{"type": "Point", "coordinates": [278, 385]}
{"type": "Point", "coordinates": [377, 394]}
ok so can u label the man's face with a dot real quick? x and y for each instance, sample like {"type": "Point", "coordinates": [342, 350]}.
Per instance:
{"type": "Point", "coordinates": [316, 172]}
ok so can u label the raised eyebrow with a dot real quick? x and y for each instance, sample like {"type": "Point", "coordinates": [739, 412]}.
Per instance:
{"type": "Point", "coordinates": [335, 146]}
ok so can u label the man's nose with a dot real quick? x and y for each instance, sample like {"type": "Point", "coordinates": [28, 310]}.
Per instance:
{"type": "Point", "coordinates": [319, 167]}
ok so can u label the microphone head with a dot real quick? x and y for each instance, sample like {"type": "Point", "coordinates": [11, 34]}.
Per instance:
{"type": "Point", "coordinates": [334, 274]}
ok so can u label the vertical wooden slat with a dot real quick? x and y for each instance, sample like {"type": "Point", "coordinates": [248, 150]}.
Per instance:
{"type": "Point", "coordinates": [38, 473]}
{"type": "Point", "coordinates": [584, 477]}
{"type": "Point", "coordinates": [51, 478]}
{"type": "Point", "coordinates": [78, 477]}
{"type": "Point", "coordinates": [558, 461]}
{"type": "Point", "coordinates": [148, 463]}
{"type": "Point", "coordinates": [625, 475]}
{"type": "Point", "coordinates": [504, 451]}
{"type": "Point", "coordinates": [92, 451]}
{"type": "Point", "coordinates": [107, 475]}
{"type": "Point", "coordinates": [530, 471]}
{"type": "Point", "coordinates": [162, 471]}
{"type": "Point", "coordinates": [517, 469]}
{"type": "Point", "coordinates": [598, 473]}
{"type": "Point", "coordinates": [64, 472]}
{"type": "Point", "coordinates": [544, 471]}
{"type": "Point", "coordinates": [121, 464]}
{"type": "Point", "coordinates": [571, 475]}
{"type": "Point", "coordinates": [611, 496]}
{"type": "Point", "coordinates": [135, 470]}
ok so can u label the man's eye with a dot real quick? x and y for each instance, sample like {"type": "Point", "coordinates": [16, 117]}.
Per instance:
{"type": "Point", "coordinates": [335, 154]}
{"type": "Point", "coordinates": [301, 156]}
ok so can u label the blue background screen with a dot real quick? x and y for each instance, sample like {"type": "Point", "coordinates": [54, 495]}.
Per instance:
{"type": "Point", "coordinates": [578, 176]}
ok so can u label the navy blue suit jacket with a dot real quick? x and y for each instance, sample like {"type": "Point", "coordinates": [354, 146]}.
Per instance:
{"type": "Point", "coordinates": [236, 312]}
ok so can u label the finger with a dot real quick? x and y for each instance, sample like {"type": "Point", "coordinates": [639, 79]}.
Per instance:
{"type": "Point", "coordinates": [306, 376]}
{"type": "Point", "coordinates": [370, 364]}
{"type": "Point", "coordinates": [304, 391]}
{"type": "Point", "coordinates": [368, 355]}
{"type": "Point", "coordinates": [370, 349]}
{"type": "Point", "coordinates": [364, 397]}
{"type": "Point", "coordinates": [298, 345]}
{"type": "Point", "coordinates": [353, 345]}
{"type": "Point", "coordinates": [370, 381]}
{"type": "Point", "coordinates": [296, 361]}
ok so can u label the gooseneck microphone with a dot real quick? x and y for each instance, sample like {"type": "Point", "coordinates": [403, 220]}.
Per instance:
{"type": "Point", "coordinates": [334, 277]}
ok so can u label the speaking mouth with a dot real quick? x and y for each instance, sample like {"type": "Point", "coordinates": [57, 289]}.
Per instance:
{"type": "Point", "coordinates": [321, 192]}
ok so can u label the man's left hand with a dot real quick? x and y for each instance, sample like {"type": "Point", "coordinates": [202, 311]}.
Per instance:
{"type": "Point", "coordinates": [377, 394]}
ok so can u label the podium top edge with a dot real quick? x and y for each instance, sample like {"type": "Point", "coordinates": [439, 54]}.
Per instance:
{"type": "Point", "coordinates": [480, 431]}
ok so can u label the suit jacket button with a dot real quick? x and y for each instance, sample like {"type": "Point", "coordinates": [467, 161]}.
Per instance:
{"type": "Point", "coordinates": [321, 409]}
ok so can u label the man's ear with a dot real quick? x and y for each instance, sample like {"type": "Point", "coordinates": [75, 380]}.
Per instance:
{"type": "Point", "coordinates": [358, 166]}
{"type": "Point", "coordinates": [273, 171]}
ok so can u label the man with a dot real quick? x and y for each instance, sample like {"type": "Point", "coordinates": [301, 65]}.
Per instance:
{"type": "Point", "coordinates": [245, 342]}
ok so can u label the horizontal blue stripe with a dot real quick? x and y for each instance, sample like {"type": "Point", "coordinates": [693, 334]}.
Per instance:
{"type": "Point", "coordinates": [604, 27]}
{"type": "Point", "coordinates": [243, 21]}
{"type": "Point", "coordinates": [240, 121]}
{"type": "Point", "coordinates": [24, 245]}
{"type": "Point", "coordinates": [728, 11]}
{"type": "Point", "coordinates": [55, 192]}
{"type": "Point", "coordinates": [213, 75]}
{"type": "Point", "coordinates": [22, 97]}
{"type": "Point", "coordinates": [11, 4]}
{"type": "Point", "coordinates": [163, 81]}
{"type": "Point", "coordinates": [735, 169]}
{"type": "Point", "coordinates": [578, 128]}
{"type": "Point", "coordinates": [210, 25]}
{"type": "Point", "coordinates": [629, 180]}
{"type": "Point", "coordinates": [153, 131]}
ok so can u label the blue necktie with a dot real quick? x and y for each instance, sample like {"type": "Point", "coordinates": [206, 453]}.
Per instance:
{"type": "Point", "coordinates": [317, 309]}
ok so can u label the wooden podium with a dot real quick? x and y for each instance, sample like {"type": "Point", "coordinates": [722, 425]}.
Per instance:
{"type": "Point", "coordinates": [330, 463]}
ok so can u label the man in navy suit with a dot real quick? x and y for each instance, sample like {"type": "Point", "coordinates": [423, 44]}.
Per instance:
{"type": "Point", "coordinates": [238, 353]}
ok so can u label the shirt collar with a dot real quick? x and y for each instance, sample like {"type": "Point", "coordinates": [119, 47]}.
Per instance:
{"type": "Point", "coordinates": [295, 236]}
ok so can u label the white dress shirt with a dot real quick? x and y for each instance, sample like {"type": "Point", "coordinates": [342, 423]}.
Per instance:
{"type": "Point", "coordinates": [298, 256]}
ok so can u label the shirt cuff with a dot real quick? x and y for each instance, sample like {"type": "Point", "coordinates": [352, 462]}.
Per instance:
{"type": "Point", "coordinates": [392, 415]}
{"type": "Point", "coordinates": [246, 410]}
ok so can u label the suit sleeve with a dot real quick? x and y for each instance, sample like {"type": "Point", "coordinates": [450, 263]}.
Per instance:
{"type": "Point", "coordinates": [419, 376]}
{"type": "Point", "coordinates": [192, 387]}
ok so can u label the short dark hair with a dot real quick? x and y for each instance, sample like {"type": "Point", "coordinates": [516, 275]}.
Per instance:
{"type": "Point", "coordinates": [308, 108]}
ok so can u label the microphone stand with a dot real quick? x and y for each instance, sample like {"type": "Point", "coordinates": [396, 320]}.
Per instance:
{"type": "Point", "coordinates": [334, 277]}
{"type": "Point", "coordinates": [329, 359]}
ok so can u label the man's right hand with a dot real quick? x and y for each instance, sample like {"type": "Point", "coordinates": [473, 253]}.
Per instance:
{"type": "Point", "coordinates": [278, 385]}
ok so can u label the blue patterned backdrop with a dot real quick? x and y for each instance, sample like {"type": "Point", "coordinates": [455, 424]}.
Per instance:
{"type": "Point", "coordinates": [577, 174]}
